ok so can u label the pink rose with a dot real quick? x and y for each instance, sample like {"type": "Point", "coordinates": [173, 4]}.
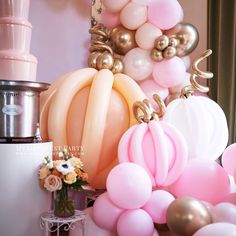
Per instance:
{"type": "Point", "coordinates": [53, 183]}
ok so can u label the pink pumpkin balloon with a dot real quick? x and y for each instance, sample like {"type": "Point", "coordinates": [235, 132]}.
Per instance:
{"type": "Point", "coordinates": [231, 198]}
{"type": "Point", "coordinates": [202, 179]}
{"type": "Point", "coordinates": [138, 64]}
{"type": "Point", "coordinates": [187, 61]}
{"type": "Point", "coordinates": [217, 229]}
{"type": "Point", "coordinates": [229, 160]}
{"type": "Point", "coordinates": [149, 87]}
{"type": "Point", "coordinates": [146, 35]}
{"type": "Point", "coordinates": [169, 72]}
{"type": "Point", "coordinates": [157, 205]}
{"type": "Point", "coordinates": [135, 223]}
{"type": "Point", "coordinates": [129, 186]}
{"type": "Point", "coordinates": [133, 16]}
{"type": "Point", "coordinates": [165, 14]}
{"type": "Point", "coordinates": [110, 19]}
{"type": "Point", "coordinates": [105, 212]}
{"type": "Point", "coordinates": [156, 146]}
{"type": "Point", "coordinates": [114, 5]}
{"type": "Point", "coordinates": [224, 212]}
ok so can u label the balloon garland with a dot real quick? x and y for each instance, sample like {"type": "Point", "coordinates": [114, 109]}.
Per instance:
{"type": "Point", "coordinates": [152, 41]}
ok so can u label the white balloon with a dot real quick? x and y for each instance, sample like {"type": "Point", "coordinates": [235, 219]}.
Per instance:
{"type": "Point", "coordinates": [142, 2]}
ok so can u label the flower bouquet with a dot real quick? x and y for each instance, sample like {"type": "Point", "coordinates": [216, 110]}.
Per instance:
{"type": "Point", "coordinates": [66, 172]}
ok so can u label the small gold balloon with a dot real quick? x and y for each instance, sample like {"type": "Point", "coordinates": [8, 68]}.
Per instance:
{"type": "Point", "coordinates": [187, 35]}
{"type": "Point", "coordinates": [186, 215]}
{"type": "Point", "coordinates": [169, 52]}
{"type": "Point", "coordinates": [122, 39]}
{"type": "Point", "coordinates": [161, 42]}
{"type": "Point", "coordinates": [118, 66]}
{"type": "Point", "coordinates": [105, 61]}
{"type": "Point", "coordinates": [156, 55]}
{"type": "Point", "coordinates": [92, 59]}
{"type": "Point", "coordinates": [173, 42]}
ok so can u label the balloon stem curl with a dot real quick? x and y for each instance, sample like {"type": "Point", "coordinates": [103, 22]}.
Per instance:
{"type": "Point", "coordinates": [144, 112]}
{"type": "Point", "coordinates": [196, 72]}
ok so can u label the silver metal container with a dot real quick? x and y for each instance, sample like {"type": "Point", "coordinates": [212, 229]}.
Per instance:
{"type": "Point", "coordinates": [19, 108]}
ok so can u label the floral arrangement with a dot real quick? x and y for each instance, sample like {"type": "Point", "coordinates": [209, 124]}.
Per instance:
{"type": "Point", "coordinates": [59, 175]}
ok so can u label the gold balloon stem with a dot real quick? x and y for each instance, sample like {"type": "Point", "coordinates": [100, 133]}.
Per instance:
{"type": "Point", "coordinates": [161, 105]}
{"type": "Point", "coordinates": [144, 112]}
{"type": "Point", "coordinates": [196, 72]}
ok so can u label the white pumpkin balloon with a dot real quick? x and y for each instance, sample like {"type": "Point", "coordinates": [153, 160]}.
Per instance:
{"type": "Point", "coordinates": [199, 119]}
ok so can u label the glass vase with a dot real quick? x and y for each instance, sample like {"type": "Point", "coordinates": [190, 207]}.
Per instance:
{"type": "Point", "coordinates": [64, 206]}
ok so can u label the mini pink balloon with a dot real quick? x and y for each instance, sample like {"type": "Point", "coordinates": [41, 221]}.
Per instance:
{"type": "Point", "coordinates": [165, 14]}
{"type": "Point", "coordinates": [110, 19]}
{"type": "Point", "coordinates": [224, 212]}
{"type": "Point", "coordinates": [150, 87]}
{"type": "Point", "coordinates": [105, 212]}
{"type": "Point", "coordinates": [114, 5]}
{"type": "Point", "coordinates": [217, 229]}
{"type": "Point", "coordinates": [157, 205]}
{"type": "Point", "coordinates": [228, 159]}
{"type": "Point", "coordinates": [133, 15]}
{"type": "Point", "coordinates": [146, 35]}
{"type": "Point", "coordinates": [129, 186]}
{"type": "Point", "coordinates": [138, 64]}
{"type": "Point", "coordinates": [203, 179]}
{"type": "Point", "coordinates": [169, 72]}
{"type": "Point", "coordinates": [135, 223]}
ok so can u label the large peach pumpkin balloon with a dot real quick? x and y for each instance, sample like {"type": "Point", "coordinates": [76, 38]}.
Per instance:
{"type": "Point", "coordinates": [93, 109]}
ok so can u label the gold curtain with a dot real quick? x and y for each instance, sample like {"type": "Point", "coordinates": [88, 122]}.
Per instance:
{"type": "Point", "coordinates": [222, 40]}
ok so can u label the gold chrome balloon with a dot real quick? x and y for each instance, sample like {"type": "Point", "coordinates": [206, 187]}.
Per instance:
{"type": "Point", "coordinates": [161, 42]}
{"type": "Point", "coordinates": [187, 35]}
{"type": "Point", "coordinates": [105, 61]}
{"type": "Point", "coordinates": [92, 59]}
{"type": "Point", "coordinates": [118, 66]}
{"type": "Point", "coordinates": [156, 55]}
{"type": "Point", "coordinates": [186, 215]}
{"type": "Point", "coordinates": [122, 39]}
{"type": "Point", "coordinates": [169, 52]}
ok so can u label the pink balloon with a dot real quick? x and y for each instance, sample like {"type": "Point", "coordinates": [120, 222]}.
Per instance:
{"type": "Point", "coordinates": [133, 15]}
{"type": "Point", "coordinates": [228, 159]}
{"type": "Point", "coordinates": [114, 5]}
{"type": "Point", "coordinates": [105, 212]}
{"type": "Point", "coordinates": [155, 233]}
{"type": "Point", "coordinates": [231, 198]}
{"type": "Point", "coordinates": [169, 72]}
{"type": "Point", "coordinates": [157, 205]}
{"type": "Point", "coordinates": [146, 35]}
{"type": "Point", "coordinates": [142, 2]}
{"type": "Point", "coordinates": [165, 14]}
{"type": "Point", "coordinates": [187, 61]}
{"type": "Point", "coordinates": [217, 229]}
{"type": "Point", "coordinates": [138, 64]}
{"type": "Point", "coordinates": [178, 88]}
{"type": "Point", "coordinates": [203, 179]}
{"type": "Point", "coordinates": [129, 186]}
{"type": "Point", "coordinates": [150, 87]}
{"type": "Point", "coordinates": [110, 19]}
{"type": "Point", "coordinates": [224, 212]}
{"type": "Point", "coordinates": [135, 223]}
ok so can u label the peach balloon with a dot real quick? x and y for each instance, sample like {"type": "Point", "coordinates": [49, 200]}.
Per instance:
{"type": "Point", "coordinates": [133, 16]}
{"type": "Point", "coordinates": [146, 35]}
{"type": "Point", "coordinates": [91, 109]}
{"type": "Point", "coordinates": [114, 5]}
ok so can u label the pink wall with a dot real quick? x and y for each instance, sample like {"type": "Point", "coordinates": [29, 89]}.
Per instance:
{"type": "Point", "coordinates": [60, 33]}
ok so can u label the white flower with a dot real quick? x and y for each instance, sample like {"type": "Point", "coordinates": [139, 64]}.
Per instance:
{"type": "Point", "coordinates": [65, 167]}
{"type": "Point", "coordinates": [60, 154]}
